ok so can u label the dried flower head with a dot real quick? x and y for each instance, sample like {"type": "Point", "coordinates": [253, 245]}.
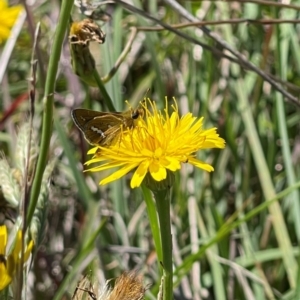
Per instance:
{"type": "Point", "coordinates": [129, 286]}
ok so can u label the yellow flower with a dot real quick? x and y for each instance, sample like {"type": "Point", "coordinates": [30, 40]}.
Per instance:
{"type": "Point", "coordinates": [9, 264]}
{"type": "Point", "coordinates": [156, 145]}
{"type": "Point", "coordinates": [8, 18]}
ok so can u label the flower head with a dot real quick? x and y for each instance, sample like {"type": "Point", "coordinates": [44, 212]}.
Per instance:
{"type": "Point", "coordinates": [8, 18]}
{"type": "Point", "coordinates": [9, 264]}
{"type": "Point", "coordinates": [159, 143]}
{"type": "Point", "coordinates": [128, 286]}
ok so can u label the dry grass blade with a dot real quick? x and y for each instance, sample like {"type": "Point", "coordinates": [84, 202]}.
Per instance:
{"type": "Point", "coordinates": [84, 290]}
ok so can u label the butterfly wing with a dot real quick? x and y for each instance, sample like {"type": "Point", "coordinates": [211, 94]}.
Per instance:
{"type": "Point", "coordinates": [98, 128]}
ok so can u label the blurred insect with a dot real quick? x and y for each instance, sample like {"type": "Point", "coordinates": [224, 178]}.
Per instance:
{"type": "Point", "coordinates": [103, 128]}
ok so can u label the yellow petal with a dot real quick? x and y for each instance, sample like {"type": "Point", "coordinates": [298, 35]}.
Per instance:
{"type": "Point", "coordinates": [139, 174]}
{"type": "Point", "coordinates": [18, 246]}
{"type": "Point", "coordinates": [28, 250]}
{"type": "Point", "coordinates": [173, 164]}
{"type": "Point", "coordinates": [4, 32]}
{"type": "Point", "coordinates": [200, 164]}
{"type": "Point", "coordinates": [3, 5]}
{"type": "Point", "coordinates": [3, 239]}
{"type": "Point", "coordinates": [9, 16]}
{"type": "Point", "coordinates": [118, 174]}
{"type": "Point", "coordinates": [5, 279]}
{"type": "Point", "coordinates": [107, 166]}
{"type": "Point", "coordinates": [93, 150]}
{"type": "Point", "coordinates": [157, 171]}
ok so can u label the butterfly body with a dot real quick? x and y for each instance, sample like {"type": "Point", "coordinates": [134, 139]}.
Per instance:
{"type": "Point", "coordinates": [103, 128]}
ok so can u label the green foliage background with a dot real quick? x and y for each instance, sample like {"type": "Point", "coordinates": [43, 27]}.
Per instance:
{"type": "Point", "coordinates": [236, 231]}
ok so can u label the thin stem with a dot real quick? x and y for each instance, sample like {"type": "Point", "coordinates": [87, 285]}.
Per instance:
{"type": "Point", "coordinates": [163, 209]}
{"type": "Point", "coordinates": [48, 104]}
{"type": "Point", "coordinates": [122, 56]}
{"type": "Point", "coordinates": [105, 95]}
{"type": "Point", "coordinates": [154, 222]}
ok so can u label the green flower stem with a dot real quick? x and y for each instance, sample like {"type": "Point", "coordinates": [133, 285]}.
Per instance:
{"type": "Point", "coordinates": [105, 95]}
{"type": "Point", "coordinates": [162, 199]}
{"type": "Point", "coordinates": [48, 104]}
{"type": "Point", "coordinates": [154, 223]}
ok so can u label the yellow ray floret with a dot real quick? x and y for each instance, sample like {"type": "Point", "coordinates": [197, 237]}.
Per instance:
{"type": "Point", "coordinates": [159, 143]}
{"type": "Point", "coordinates": [8, 18]}
{"type": "Point", "coordinates": [10, 263]}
